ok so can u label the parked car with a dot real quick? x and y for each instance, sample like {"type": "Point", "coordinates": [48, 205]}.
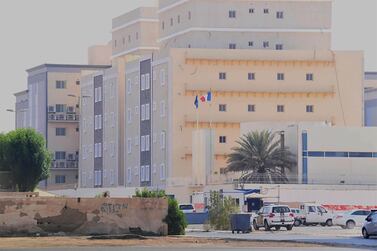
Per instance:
{"type": "Point", "coordinates": [274, 216]}
{"type": "Point", "coordinates": [314, 214]}
{"type": "Point", "coordinates": [370, 225]}
{"type": "Point", "coordinates": [351, 219]}
{"type": "Point", "coordinates": [298, 215]}
{"type": "Point", "coordinates": [187, 208]}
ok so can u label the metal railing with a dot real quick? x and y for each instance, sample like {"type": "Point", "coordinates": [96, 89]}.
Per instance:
{"type": "Point", "coordinates": [66, 117]}
{"type": "Point", "coordinates": [65, 164]}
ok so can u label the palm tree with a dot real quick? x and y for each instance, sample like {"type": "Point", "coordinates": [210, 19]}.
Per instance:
{"type": "Point", "coordinates": [261, 159]}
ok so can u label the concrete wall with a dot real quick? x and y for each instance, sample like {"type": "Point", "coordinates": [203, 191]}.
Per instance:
{"type": "Point", "coordinates": [81, 216]}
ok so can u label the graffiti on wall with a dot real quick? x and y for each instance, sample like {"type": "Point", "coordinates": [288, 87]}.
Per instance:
{"type": "Point", "coordinates": [110, 208]}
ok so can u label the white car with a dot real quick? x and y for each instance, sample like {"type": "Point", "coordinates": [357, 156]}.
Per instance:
{"type": "Point", "coordinates": [351, 219]}
{"type": "Point", "coordinates": [274, 216]}
{"type": "Point", "coordinates": [187, 208]}
{"type": "Point", "coordinates": [314, 214]}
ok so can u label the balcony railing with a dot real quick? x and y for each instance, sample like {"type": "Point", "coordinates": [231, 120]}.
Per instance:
{"type": "Point", "coordinates": [64, 117]}
{"type": "Point", "coordinates": [65, 164]}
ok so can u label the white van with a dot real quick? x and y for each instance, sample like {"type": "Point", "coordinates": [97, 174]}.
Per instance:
{"type": "Point", "coordinates": [314, 214]}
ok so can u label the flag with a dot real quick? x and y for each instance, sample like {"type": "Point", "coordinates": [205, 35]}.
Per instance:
{"type": "Point", "coordinates": [196, 102]}
{"type": "Point", "coordinates": [207, 97]}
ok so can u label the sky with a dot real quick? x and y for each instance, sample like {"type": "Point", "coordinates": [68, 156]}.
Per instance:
{"type": "Point", "coordinates": [34, 32]}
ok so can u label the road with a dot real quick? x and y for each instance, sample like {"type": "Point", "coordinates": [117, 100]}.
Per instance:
{"type": "Point", "coordinates": [182, 249]}
{"type": "Point", "coordinates": [314, 235]}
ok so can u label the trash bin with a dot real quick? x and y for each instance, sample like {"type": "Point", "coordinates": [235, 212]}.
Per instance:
{"type": "Point", "coordinates": [240, 223]}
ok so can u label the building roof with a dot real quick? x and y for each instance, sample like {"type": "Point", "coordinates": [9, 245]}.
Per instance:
{"type": "Point", "coordinates": [84, 67]}
{"type": "Point", "coordinates": [21, 93]}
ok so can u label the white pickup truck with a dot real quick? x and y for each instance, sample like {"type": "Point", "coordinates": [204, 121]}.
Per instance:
{"type": "Point", "coordinates": [314, 214]}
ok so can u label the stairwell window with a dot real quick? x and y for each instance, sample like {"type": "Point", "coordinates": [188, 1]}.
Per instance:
{"type": "Point", "coordinates": [232, 46]}
{"type": "Point", "coordinates": [279, 47]}
{"type": "Point", "coordinates": [266, 44]}
{"type": "Point", "coordinates": [222, 108]}
{"type": "Point", "coordinates": [280, 108]}
{"type": "Point", "coordinates": [266, 11]}
{"type": "Point", "coordinates": [251, 76]}
{"type": "Point", "coordinates": [309, 108]}
{"type": "Point", "coordinates": [251, 108]}
{"type": "Point", "coordinates": [232, 14]}
{"type": "Point", "coordinates": [251, 10]}
{"type": "Point", "coordinates": [279, 15]}
{"type": "Point", "coordinates": [222, 75]}
{"type": "Point", "coordinates": [251, 43]}
{"type": "Point", "coordinates": [280, 76]}
{"type": "Point", "coordinates": [309, 77]}
{"type": "Point", "coordinates": [222, 139]}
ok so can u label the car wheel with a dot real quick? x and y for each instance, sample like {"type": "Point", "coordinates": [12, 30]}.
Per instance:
{"type": "Point", "coordinates": [365, 234]}
{"type": "Point", "coordinates": [289, 228]}
{"type": "Point", "coordinates": [277, 228]}
{"type": "Point", "coordinates": [323, 224]}
{"type": "Point", "coordinates": [344, 227]}
{"type": "Point", "coordinates": [350, 224]}
{"type": "Point", "coordinates": [297, 223]}
{"type": "Point", "coordinates": [255, 226]}
{"type": "Point", "coordinates": [329, 222]}
{"type": "Point", "coordinates": [266, 226]}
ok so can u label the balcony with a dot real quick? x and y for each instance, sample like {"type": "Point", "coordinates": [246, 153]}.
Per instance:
{"type": "Point", "coordinates": [65, 164]}
{"type": "Point", "coordinates": [63, 117]}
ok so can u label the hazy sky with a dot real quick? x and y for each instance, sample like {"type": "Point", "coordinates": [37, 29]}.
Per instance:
{"type": "Point", "coordinates": [34, 32]}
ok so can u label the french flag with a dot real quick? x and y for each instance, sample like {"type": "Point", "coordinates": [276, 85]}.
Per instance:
{"type": "Point", "coordinates": [206, 98]}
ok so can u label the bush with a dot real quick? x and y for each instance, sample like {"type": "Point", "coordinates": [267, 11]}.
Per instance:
{"type": "Point", "coordinates": [220, 210]}
{"type": "Point", "coordinates": [175, 219]}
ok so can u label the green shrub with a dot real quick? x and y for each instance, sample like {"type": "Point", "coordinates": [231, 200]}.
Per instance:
{"type": "Point", "coordinates": [175, 219]}
{"type": "Point", "coordinates": [220, 210]}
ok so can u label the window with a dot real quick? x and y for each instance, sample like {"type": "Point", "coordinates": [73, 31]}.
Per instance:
{"type": "Point", "coordinates": [136, 109]}
{"type": "Point", "coordinates": [232, 46]}
{"type": "Point", "coordinates": [222, 75]}
{"type": "Point", "coordinates": [129, 175]}
{"type": "Point", "coordinates": [179, 19]}
{"type": "Point", "coordinates": [129, 145]}
{"type": "Point", "coordinates": [189, 15]}
{"type": "Point", "coordinates": [309, 108]}
{"type": "Point", "coordinates": [59, 179]}
{"type": "Point", "coordinates": [154, 137]}
{"type": "Point", "coordinates": [147, 173]}
{"type": "Point", "coordinates": [129, 86]}
{"type": "Point", "coordinates": [251, 43]}
{"type": "Point", "coordinates": [115, 43]}
{"type": "Point", "coordinates": [97, 178]}
{"type": "Point", "coordinates": [162, 77]}
{"type": "Point", "coordinates": [97, 122]}
{"type": "Point", "coordinates": [162, 172]}
{"type": "Point", "coordinates": [162, 109]}
{"type": "Point", "coordinates": [280, 76]}
{"type": "Point", "coordinates": [171, 21]}
{"type": "Point", "coordinates": [266, 11]}
{"type": "Point", "coordinates": [147, 81]}
{"type": "Point", "coordinates": [251, 108]}
{"type": "Point", "coordinates": [129, 38]}
{"type": "Point", "coordinates": [163, 25]}
{"type": "Point", "coordinates": [98, 94]}
{"type": "Point", "coordinates": [280, 108]}
{"type": "Point", "coordinates": [266, 44]}
{"type": "Point", "coordinates": [251, 10]}
{"type": "Point", "coordinates": [232, 14]}
{"type": "Point", "coordinates": [163, 140]}
{"type": "Point", "coordinates": [279, 47]}
{"type": "Point", "coordinates": [142, 143]}
{"type": "Point", "coordinates": [142, 80]}
{"type": "Point", "coordinates": [222, 108]}
{"type": "Point", "coordinates": [147, 143]}
{"type": "Point", "coordinates": [222, 139]}
{"type": "Point", "coordinates": [61, 84]}
{"type": "Point", "coordinates": [251, 76]}
{"type": "Point", "coordinates": [124, 40]}
{"type": "Point", "coordinates": [142, 173]}
{"type": "Point", "coordinates": [147, 112]}
{"type": "Point", "coordinates": [129, 116]}
{"type": "Point", "coordinates": [98, 150]}
{"type": "Point", "coordinates": [154, 106]}
{"type": "Point", "coordinates": [137, 139]}
{"type": "Point", "coordinates": [60, 131]}
{"type": "Point", "coordinates": [59, 155]}
{"type": "Point", "coordinates": [279, 15]}
{"type": "Point", "coordinates": [137, 35]}
{"type": "Point", "coordinates": [77, 82]}
{"type": "Point", "coordinates": [142, 112]}
{"type": "Point", "coordinates": [309, 76]}
{"type": "Point", "coordinates": [60, 108]}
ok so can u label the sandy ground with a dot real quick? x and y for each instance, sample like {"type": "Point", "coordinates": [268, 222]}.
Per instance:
{"type": "Point", "coordinates": [44, 242]}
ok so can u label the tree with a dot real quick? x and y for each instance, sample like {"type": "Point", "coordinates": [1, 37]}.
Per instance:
{"type": "Point", "coordinates": [175, 219]}
{"type": "Point", "coordinates": [261, 159]}
{"type": "Point", "coordinates": [26, 157]}
{"type": "Point", "coordinates": [220, 210]}
{"type": "Point", "coordinates": [2, 151]}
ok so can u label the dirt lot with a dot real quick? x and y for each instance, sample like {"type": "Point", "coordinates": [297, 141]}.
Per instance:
{"type": "Point", "coordinates": [44, 242]}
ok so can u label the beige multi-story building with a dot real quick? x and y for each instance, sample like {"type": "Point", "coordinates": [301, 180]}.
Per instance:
{"type": "Point", "coordinates": [261, 60]}
{"type": "Point", "coordinates": [51, 105]}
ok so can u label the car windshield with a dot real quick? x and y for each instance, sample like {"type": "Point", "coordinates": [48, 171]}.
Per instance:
{"type": "Point", "coordinates": [186, 207]}
{"type": "Point", "coordinates": [281, 210]}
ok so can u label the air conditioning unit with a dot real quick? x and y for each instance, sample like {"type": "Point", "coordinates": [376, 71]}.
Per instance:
{"type": "Point", "coordinates": [51, 109]}
{"type": "Point", "coordinates": [70, 109]}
